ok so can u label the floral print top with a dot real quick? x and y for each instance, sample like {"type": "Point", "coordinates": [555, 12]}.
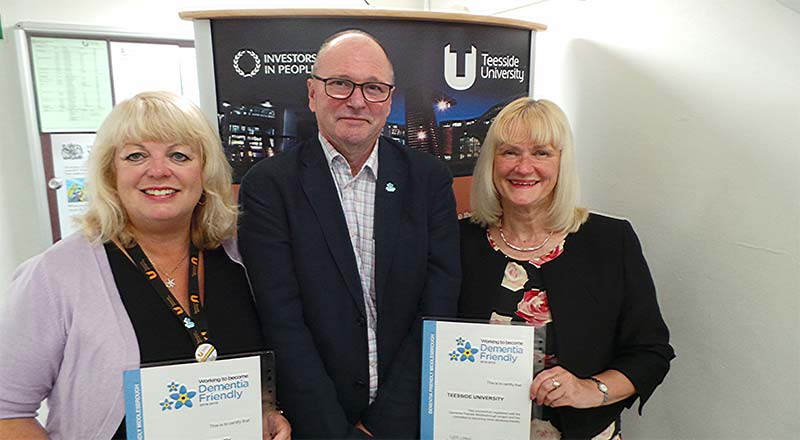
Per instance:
{"type": "Point", "coordinates": [501, 288]}
{"type": "Point", "coordinates": [533, 307]}
{"type": "Point", "coordinates": [497, 287]}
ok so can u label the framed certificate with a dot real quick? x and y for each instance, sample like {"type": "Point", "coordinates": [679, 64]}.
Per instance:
{"type": "Point", "coordinates": [476, 378]}
{"type": "Point", "coordinates": [220, 399]}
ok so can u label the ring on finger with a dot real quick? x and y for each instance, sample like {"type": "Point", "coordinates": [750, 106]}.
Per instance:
{"type": "Point", "coordinates": [556, 384]}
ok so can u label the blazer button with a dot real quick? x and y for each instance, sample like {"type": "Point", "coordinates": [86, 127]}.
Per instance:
{"type": "Point", "coordinates": [361, 322]}
{"type": "Point", "coordinates": [360, 383]}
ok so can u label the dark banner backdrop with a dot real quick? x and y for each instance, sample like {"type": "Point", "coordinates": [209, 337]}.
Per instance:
{"type": "Point", "coordinates": [451, 79]}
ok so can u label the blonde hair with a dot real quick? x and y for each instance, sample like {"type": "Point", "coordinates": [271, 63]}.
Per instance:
{"type": "Point", "coordinates": [528, 121]}
{"type": "Point", "coordinates": [168, 118]}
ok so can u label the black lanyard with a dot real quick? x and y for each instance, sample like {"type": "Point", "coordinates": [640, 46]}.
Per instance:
{"type": "Point", "coordinates": [196, 324]}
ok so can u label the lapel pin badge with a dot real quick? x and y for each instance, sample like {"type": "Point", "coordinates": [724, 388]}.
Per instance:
{"type": "Point", "coordinates": [390, 187]}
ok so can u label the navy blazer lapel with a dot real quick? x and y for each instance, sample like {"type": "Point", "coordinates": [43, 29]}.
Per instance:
{"type": "Point", "coordinates": [319, 187]}
{"type": "Point", "coordinates": [392, 190]}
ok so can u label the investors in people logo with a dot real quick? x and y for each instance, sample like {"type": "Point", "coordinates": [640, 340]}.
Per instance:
{"type": "Point", "coordinates": [251, 55]}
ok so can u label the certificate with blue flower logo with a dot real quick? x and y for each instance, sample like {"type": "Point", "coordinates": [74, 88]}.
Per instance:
{"type": "Point", "coordinates": [476, 378]}
{"type": "Point", "coordinates": [220, 399]}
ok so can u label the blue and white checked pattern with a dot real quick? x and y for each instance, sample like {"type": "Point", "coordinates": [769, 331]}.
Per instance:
{"type": "Point", "coordinates": [357, 196]}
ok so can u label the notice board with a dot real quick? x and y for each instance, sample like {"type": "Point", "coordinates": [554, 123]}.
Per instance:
{"type": "Point", "coordinates": [72, 76]}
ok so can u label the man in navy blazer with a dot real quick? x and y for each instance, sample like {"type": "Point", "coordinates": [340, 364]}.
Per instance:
{"type": "Point", "coordinates": [348, 241]}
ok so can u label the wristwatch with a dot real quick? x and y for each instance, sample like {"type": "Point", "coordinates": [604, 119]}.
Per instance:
{"type": "Point", "coordinates": [602, 387]}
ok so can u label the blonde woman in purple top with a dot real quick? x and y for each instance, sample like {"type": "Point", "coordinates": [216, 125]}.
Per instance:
{"type": "Point", "coordinates": [85, 310]}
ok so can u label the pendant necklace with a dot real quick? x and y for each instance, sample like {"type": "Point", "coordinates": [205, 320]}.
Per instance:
{"type": "Point", "coordinates": [170, 283]}
{"type": "Point", "coordinates": [523, 249]}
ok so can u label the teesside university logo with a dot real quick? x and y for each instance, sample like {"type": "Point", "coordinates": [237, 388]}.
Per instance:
{"type": "Point", "coordinates": [450, 68]}
{"type": "Point", "coordinates": [492, 67]}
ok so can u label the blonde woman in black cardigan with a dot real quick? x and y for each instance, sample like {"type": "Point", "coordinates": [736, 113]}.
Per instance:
{"type": "Point", "coordinates": [530, 253]}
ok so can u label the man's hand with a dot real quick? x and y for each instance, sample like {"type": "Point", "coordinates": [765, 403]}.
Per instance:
{"type": "Point", "coordinates": [276, 427]}
{"type": "Point", "coordinates": [363, 428]}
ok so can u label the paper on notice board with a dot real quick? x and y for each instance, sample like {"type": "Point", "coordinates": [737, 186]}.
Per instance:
{"type": "Point", "coordinates": [70, 157]}
{"type": "Point", "coordinates": [73, 83]}
{"type": "Point", "coordinates": [142, 67]}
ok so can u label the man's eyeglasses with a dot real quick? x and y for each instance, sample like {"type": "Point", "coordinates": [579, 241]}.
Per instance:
{"type": "Point", "coordinates": [340, 88]}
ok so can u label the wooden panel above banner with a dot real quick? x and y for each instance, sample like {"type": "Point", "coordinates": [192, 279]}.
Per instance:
{"type": "Point", "coordinates": [364, 13]}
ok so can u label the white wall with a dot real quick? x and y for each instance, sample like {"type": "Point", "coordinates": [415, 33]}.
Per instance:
{"type": "Point", "coordinates": [686, 117]}
{"type": "Point", "coordinates": [687, 121]}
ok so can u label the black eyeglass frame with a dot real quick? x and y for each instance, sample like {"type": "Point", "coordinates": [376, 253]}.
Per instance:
{"type": "Point", "coordinates": [353, 89]}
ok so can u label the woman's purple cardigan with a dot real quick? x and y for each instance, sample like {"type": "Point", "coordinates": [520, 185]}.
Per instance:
{"type": "Point", "coordinates": [65, 336]}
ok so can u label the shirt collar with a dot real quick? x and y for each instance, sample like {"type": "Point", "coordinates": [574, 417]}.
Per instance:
{"type": "Point", "coordinates": [331, 154]}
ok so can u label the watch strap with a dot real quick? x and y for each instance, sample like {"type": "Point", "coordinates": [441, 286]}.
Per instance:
{"type": "Point", "coordinates": [602, 387]}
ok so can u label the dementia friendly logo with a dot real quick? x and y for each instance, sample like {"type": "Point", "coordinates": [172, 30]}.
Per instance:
{"type": "Point", "coordinates": [487, 351]}
{"type": "Point", "coordinates": [179, 397]}
{"type": "Point", "coordinates": [464, 351]}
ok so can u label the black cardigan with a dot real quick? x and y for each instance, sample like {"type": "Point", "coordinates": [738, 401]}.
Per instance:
{"type": "Point", "coordinates": [605, 314]}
